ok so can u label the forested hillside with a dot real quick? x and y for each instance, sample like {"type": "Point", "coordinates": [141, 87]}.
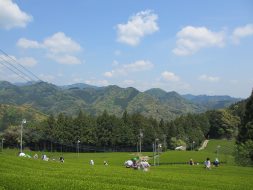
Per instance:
{"type": "Point", "coordinates": [13, 115]}
{"type": "Point", "coordinates": [109, 118]}
{"type": "Point", "coordinates": [244, 152]}
{"type": "Point", "coordinates": [52, 99]}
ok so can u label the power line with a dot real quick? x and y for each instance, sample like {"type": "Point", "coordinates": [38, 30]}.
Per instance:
{"type": "Point", "coordinates": [13, 70]}
{"type": "Point", "coordinates": [17, 69]}
{"type": "Point", "coordinates": [15, 61]}
{"type": "Point", "coordinates": [9, 63]}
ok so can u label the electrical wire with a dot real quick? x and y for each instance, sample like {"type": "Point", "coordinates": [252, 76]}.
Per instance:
{"type": "Point", "coordinates": [13, 70]}
{"type": "Point", "coordinates": [16, 62]}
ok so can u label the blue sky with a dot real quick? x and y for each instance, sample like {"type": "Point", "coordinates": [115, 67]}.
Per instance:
{"type": "Point", "coordinates": [197, 47]}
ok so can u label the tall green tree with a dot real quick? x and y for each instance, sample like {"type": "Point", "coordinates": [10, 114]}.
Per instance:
{"type": "Point", "coordinates": [223, 124]}
{"type": "Point", "coordinates": [244, 151]}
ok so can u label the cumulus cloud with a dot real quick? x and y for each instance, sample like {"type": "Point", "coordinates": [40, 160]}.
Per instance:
{"type": "Point", "coordinates": [24, 61]}
{"type": "Point", "coordinates": [242, 32]}
{"type": "Point", "coordinates": [25, 43]}
{"type": "Point", "coordinates": [65, 59]}
{"type": "Point", "coordinates": [138, 25]}
{"type": "Point", "coordinates": [13, 69]}
{"type": "Point", "coordinates": [60, 43]}
{"type": "Point", "coordinates": [140, 65]}
{"type": "Point", "coordinates": [96, 82]}
{"type": "Point", "coordinates": [205, 77]}
{"type": "Point", "coordinates": [169, 76]}
{"type": "Point", "coordinates": [108, 74]}
{"type": "Point", "coordinates": [191, 39]}
{"type": "Point", "coordinates": [11, 16]}
{"type": "Point", "coordinates": [27, 61]}
{"type": "Point", "coordinates": [59, 47]}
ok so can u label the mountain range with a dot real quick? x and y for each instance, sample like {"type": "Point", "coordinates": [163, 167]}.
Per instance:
{"type": "Point", "coordinates": [157, 103]}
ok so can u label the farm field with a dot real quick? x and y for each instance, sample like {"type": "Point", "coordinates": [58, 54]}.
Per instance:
{"type": "Point", "coordinates": [76, 173]}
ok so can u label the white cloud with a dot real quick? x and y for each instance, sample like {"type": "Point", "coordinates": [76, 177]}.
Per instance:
{"type": "Point", "coordinates": [205, 77]}
{"type": "Point", "coordinates": [192, 39]}
{"type": "Point", "coordinates": [139, 25]}
{"type": "Point", "coordinates": [11, 69]}
{"type": "Point", "coordinates": [169, 76]}
{"type": "Point", "coordinates": [60, 43]}
{"type": "Point", "coordinates": [108, 74]}
{"type": "Point", "coordinates": [65, 59]}
{"type": "Point", "coordinates": [241, 32]}
{"type": "Point", "coordinates": [59, 47]}
{"type": "Point", "coordinates": [96, 82]}
{"type": "Point", "coordinates": [137, 66]}
{"type": "Point", "coordinates": [25, 43]}
{"type": "Point", "coordinates": [27, 61]}
{"type": "Point", "coordinates": [11, 16]}
{"type": "Point", "coordinates": [4, 58]}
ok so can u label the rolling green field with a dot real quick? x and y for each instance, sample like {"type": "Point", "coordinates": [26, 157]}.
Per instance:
{"type": "Point", "coordinates": [76, 173]}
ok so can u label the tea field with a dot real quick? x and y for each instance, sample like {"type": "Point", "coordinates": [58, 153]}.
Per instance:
{"type": "Point", "coordinates": [76, 173]}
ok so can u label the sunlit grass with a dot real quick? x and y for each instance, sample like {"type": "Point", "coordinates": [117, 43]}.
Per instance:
{"type": "Point", "coordinates": [76, 173]}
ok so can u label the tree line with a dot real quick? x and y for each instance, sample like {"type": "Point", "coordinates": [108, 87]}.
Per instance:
{"type": "Point", "coordinates": [110, 133]}
{"type": "Point", "coordinates": [244, 150]}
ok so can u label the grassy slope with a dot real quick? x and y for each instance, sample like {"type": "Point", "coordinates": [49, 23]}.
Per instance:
{"type": "Point", "coordinates": [224, 153]}
{"type": "Point", "coordinates": [75, 173]}
{"type": "Point", "coordinates": [226, 146]}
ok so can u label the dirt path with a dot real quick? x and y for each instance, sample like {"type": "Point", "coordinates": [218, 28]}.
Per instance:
{"type": "Point", "coordinates": [204, 145]}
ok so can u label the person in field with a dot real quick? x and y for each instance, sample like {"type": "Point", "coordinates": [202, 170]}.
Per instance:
{"type": "Point", "coordinates": [216, 162]}
{"type": "Point", "coordinates": [191, 162]}
{"type": "Point", "coordinates": [128, 163]}
{"type": "Point", "coordinates": [35, 156]}
{"type": "Point", "coordinates": [105, 163]}
{"type": "Point", "coordinates": [92, 162]}
{"type": "Point", "coordinates": [44, 157]}
{"type": "Point", "coordinates": [61, 159]}
{"type": "Point", "coordinates": [208, 163]}
{"type": "Point", "coordinates": [144, 165]}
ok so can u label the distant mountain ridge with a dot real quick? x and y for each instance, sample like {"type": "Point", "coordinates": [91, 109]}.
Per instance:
{"type": "Point", "coordinates": [79, 85]}
{"type": "Point", "coordinates": [212, 102]}
{"type": "Point", "coordinates": [157, 103]}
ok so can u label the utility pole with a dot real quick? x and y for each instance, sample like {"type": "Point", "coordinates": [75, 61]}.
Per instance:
{"type": "Point", "coordinates": [3, 144]}
{"type": "Point", "coordinates": [159, 146]}
{"type": "Point", "coordinates": [21, 138]}
{"type": "Point", "coordinates": [155, 150]}
{"type": "Point", "coordinates": [164, 142]}
{"type": "Point", "coordinates": [141, 136]}
{"type": "Point", "coordinates": [154, 153]}
{"type": "Point", "coordinates": [78, 141]}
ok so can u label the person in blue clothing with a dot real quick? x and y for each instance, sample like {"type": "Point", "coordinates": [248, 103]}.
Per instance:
{"type": "Point", "coordinates": [216, 162]}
